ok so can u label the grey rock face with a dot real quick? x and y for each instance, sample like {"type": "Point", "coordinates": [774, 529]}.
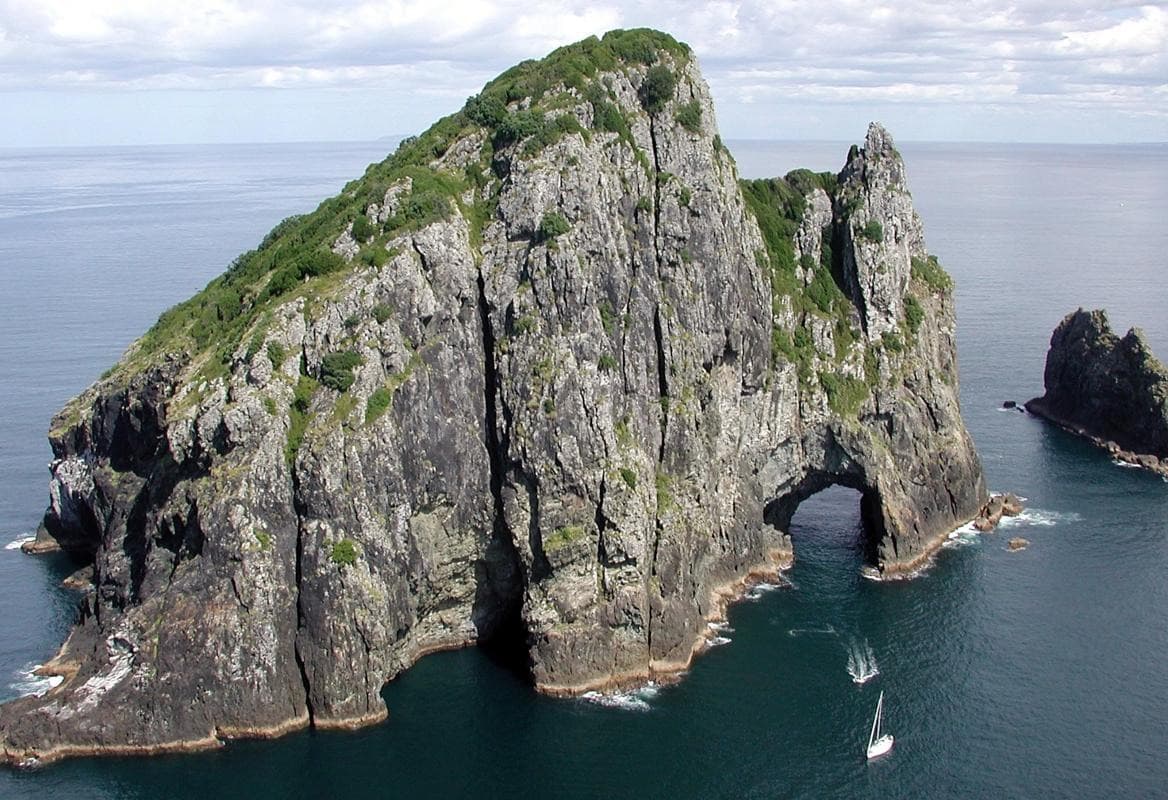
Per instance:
{"type": "Point", "coordinates": [590, 432]}
{"type": "Point", "coordinates": [1112, 390]}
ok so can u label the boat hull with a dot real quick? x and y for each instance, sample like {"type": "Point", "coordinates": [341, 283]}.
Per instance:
{"type": "Point", "coordinates": [880, 746]}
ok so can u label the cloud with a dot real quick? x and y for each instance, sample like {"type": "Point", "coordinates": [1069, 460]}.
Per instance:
{"type": "Point", "coordinates": [1074, 53]}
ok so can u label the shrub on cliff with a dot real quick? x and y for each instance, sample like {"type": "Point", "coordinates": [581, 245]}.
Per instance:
{"type": "Point", "coordinates": [336, 370]}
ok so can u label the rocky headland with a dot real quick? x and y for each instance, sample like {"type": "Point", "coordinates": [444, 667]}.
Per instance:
{"type": "Point", "coordinates": [550, 374]}
{"type": "Point", "coordinates": [1111, 390]}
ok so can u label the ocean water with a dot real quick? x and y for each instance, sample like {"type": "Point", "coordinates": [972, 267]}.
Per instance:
{"type": "Point", "coordinates": [1006, 675]}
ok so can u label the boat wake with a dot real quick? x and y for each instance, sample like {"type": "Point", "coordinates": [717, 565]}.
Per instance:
{"type": "Point", "coordinates": [29, 684]}
{"type": "Point", "coordinates": [861, 662]}
{"type": "Point", "coordinates": [16, 543]}
{"type": "Point", "coordinates": [826, 631]}
{"type": "Point", "coordinates": [636, 700]}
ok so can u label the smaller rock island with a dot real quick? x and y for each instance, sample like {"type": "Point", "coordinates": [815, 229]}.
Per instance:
{"type": "Point", "coordinates": [1113, 391]}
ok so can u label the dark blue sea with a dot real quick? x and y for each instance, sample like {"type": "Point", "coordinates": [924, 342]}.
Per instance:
{"type": "Point", "coordinates": [1036, 674]}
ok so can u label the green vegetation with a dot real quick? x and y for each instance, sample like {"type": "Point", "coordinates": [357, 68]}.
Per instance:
{"type": "Point", "coordinates": [363, 229]}
{"type": "Point", "coordinates": [624, 436]}
{"type": "Point", "coordinates": [298, 415]}
{"type": "Point", "coordinates": [664, 492]}
{"type": "Point", "coordinates": [644, 204]}
{"type": "Point", "coordinates": [657, 88]}
{"type": "Point", "coordinates": [562, 537]}
{"type": "Point", "coordinates": [689, 116]}
{"type": "Point", "coordinates": [778, 205]}
{"type": "Point", "coordinates": [552, 225]}
{"type": "Point", "coordinates": [684, 196]}
{"type": "Point", "coordinates": [845, 394]}
{"type": "Point", "coordinates": [377, 404]}
{"type": "Point", "coordinates": [263, 537]}
{"type": "Point", "coordinates": [607, 317]}
{"type": "Point", "coordinates": [344, 553]}
{"type": "Point", "coordinates": [336, 369]}
{"type": "Point", "coordinates": [270, 406]}
{"type": "Point", "coordinates": [929, 272]}
{"type": "Point", "coordinates": [873, 231]}
{"type": "Point", "coordinates": [382, 312]}
{"type": "Point", "coordinates": [276, 354]}
{"type": "Point", "coordinates": [629, 477]}
{"type": "Point", "coordinates": [914, 313]}
{"type": "Point", "coordinates": [892, 343]}
{"type": "Point", "coordinates": [296, 259]}
{"type": "Point", "coordinates": [606, 363]}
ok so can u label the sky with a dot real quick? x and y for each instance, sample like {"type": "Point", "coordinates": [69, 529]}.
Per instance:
{"type": "Point", "coordinates": [110, 72]}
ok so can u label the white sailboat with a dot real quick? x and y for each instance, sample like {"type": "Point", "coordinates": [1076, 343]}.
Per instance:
{"type": "Point", "coordinates": [878, 743]}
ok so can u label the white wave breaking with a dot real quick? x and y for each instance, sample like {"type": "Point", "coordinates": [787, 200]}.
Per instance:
{"type": "Point", "coordinates": [861, 662]}
{"type": "Point", "coordinates": [1125, 464]}
{"type": "Point", "coordinates": [756, 591]}
{"type": "Point", "coordinates": [720, 627]}
{"type": "Point", "coordinates": [636, 700]}
{"type": "Point", "coordinates": [16, 543]}
{"type": "Point", "coordinates": [28, 683]}
{"type": "Point", "coordinates": [1038, 517]}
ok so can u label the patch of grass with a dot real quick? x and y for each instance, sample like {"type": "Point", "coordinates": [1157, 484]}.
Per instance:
{"type": "Point", "coordinates": [270, 406]}
{"type": "Point", "coordinates": [629, 477]}
{"type": "Point", "coordinates": [845, 394]}
{"type": "Point", "coordinates": [684, 196]}
{"type": "Point", "coordinates": [892, 343]}
{"type": "Point", "coordinates": [873, 231]}
{"type": "Point", "coordinates": [606, 363]}
{"type": "Point", "coordinates": [382, 312]}
{"type": "Point", "coordinates": [276, 354]}
{"type": "Point", "coordinates": [563, 537]}
{"type": "Point", "coordinates": [336, 369]}
{"type": "Point", "coordinates": [664, 492]}
{"type": "Point", "coordinates": [914, 313]}
{"type": "Point", "coordinates": [689, 116]}
{"type": "Point", "coordinates": [344, 553]}
{"type": "Point", "coordinates": [552, 225]}
{"type": "Point", "coordinates": [929, 272]}
{"type": "Point", "coordinates": [299, 416]}
{"type": "Point", "coordinates": [377, 404]}
{"type": "Point", "coordinates": [263, 537]}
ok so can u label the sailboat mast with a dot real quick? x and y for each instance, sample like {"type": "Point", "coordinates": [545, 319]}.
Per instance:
{"type": "Point", "coordinates": [876, 721]}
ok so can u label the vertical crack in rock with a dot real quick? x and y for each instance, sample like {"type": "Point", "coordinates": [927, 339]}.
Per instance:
{"type": "Point", "coordinates": [501, 535]}
{"type": "Point", "coordinates": [299, 509]}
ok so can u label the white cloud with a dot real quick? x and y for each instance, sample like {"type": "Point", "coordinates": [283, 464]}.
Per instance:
{"type": "Point", "coordinates": [1077, 54]}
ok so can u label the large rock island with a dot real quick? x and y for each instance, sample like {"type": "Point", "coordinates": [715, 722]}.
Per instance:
{"type": "Point", "coordinates": [550, 370]}
{"type": "Point", "coordinates": [1112, 390]}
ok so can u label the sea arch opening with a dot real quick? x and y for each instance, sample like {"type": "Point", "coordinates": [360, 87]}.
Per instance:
{"type": "Point", "coordinates": [824, 507]}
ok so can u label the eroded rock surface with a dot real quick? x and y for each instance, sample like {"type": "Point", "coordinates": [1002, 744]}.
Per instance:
{"type": "Point", "coordinates": [550, 368]}
{"type": "Point", "coordinates": [1111, 390]}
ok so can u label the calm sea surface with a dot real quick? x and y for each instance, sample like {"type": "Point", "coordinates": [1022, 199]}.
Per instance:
{"type": "Point", "coordinates": [1006, 675]}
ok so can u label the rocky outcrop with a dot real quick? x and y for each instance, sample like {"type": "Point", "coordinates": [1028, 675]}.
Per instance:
{"type": "Point", "coordinates": [551, 369]}
{"type": "Point", "coordinates": [1111, 390]}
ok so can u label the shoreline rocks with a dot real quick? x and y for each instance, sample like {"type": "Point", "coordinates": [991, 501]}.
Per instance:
{"type": "Point", "coordinates": [1112, 391]}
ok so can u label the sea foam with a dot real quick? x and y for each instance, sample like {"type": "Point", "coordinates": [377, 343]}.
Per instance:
{"type": "Point", "coordinates": [16, 543]}
{"type": "Point", "coordinates": [28, 683]}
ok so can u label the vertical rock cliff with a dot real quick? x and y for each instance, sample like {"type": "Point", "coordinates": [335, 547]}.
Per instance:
{"type": "Point", "coordinates": [550, 368]}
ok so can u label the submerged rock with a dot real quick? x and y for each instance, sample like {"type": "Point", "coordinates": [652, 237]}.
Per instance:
{"type": "Point", "coordinates": [1017, 543]}
{"type": "Point", "coordinates": [551, 370]}
{"type": "Point", "coordinates": [1111, 390]}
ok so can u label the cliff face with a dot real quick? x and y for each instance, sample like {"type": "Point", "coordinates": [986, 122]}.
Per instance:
{"type": "Point", "coordinates": [550, 367]}
{"type": "Point", "coordinates": [1111, 390]}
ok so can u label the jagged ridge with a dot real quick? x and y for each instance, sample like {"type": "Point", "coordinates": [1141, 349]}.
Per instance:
{"type": "Point", "coordinates": [546, 369]}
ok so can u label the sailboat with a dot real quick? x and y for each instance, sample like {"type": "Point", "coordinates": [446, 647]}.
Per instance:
{"type": "Point", "coordinates": [879, 744]}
